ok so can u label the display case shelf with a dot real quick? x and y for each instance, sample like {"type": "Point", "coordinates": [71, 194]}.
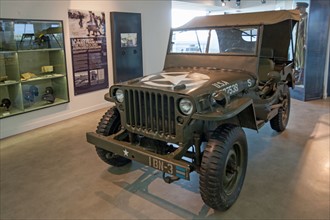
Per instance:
{"type": "Point", "coordinates": [39, 50]}
{"type": "Point", "coordinates": [8, 83]}
{"type": "Point", "coordinates": [13, 111]}
{"type": "Point", "coordinates": [43, 104]}
{"type": "Point", "coordinates": [45, 77]}
{"type": "Point", "coordinates": [32, 66]}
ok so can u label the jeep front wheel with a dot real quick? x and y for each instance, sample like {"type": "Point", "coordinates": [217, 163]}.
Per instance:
{"type": "Point", "coordinates": [108, 125]}
{"type": "Point", "coordinates": [280, 121]}
{"type": "Point", "coordinates": [223, 167]}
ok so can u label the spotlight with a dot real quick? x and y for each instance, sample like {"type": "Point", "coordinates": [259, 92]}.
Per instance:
{"type": "Point", "coordinates": [263, 1]}
{"type": "Point", "coordinates": [238, 3]}
{"type": "Point", "coordinates": [223, 3]}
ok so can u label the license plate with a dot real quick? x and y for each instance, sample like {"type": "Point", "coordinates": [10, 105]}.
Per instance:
{"type": "Point", "coordinates": [167, 167]}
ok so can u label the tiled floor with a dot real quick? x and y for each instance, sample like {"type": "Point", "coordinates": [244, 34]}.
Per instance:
{"type": "Point", "coordinates": [53, 173]}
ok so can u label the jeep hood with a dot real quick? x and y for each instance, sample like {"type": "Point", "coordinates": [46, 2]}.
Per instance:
{"type": "Point", "coordinates": [194, 82]}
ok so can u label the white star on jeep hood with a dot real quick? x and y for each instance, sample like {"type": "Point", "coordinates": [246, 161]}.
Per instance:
{"type": "Point", "coordinates": [172, 79]}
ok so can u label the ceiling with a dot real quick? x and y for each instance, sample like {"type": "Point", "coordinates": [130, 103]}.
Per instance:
{"type": "Point", "coordinates": [215, 6]}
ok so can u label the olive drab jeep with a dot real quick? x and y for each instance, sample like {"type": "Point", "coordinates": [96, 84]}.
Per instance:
{"type": "Point", "coordinates": [222, 73]}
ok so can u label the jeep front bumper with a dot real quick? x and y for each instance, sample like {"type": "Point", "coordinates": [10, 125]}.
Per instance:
{"type": "Point", "coordinates": [164, 163]}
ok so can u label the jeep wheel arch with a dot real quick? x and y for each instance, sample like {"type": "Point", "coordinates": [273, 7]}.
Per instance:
{"type": "Point", "coordinates": [109, 124]}
{"type": "Point", "coordinates": [240, 112]}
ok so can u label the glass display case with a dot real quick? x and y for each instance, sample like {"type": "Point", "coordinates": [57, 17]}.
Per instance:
{"type": "Point", "coordinates": [32, 66]}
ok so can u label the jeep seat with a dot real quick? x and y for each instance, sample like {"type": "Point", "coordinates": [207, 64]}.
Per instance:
{"type": "Point", "coordinates": [266, 64]}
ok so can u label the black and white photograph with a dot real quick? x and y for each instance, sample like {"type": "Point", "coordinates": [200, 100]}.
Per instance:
{"type": "Point", "coordinates": [96, 76]}
{"type": "Point", "coordinates": [84, 23]}
{"type": "Point", "coordinates": [81, 78]}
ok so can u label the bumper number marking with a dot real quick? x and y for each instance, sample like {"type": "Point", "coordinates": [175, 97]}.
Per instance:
{"type": "Point", "coordinates": [161, 165]}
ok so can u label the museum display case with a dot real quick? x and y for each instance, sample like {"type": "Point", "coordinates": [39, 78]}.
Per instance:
{"type": "Point", "coordinates": [32, 66]}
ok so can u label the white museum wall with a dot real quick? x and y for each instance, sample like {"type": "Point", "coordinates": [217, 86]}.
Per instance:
{"type": "Point", "coordinates": [156, 23]}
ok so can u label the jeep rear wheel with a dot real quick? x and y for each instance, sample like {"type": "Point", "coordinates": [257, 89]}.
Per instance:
{"type": "Point", "coordinates": [108, 125]}
{"type": "Point", "coordinates": [280, 121]}
{"type": "Point", "coordinates": [223, 167]}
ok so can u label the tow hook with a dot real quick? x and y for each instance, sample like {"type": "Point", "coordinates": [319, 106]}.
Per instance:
{"type": "Point", "coordinates": [170, 179]}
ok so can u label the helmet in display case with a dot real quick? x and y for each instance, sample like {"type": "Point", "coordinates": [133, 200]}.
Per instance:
{"type": "Point", "coordinates": [28, 96]}
{"type": "Point", "coordinates": [34, 90]}
{"type": "Point", "coordinates": [49, 90]}
{"type": "Point", "coordinates": [5, 103]}
{"type": "Point", "coordinates": [48, 97]}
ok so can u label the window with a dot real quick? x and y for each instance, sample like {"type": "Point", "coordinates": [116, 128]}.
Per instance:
{"type": "Point", "coordinates": [249, 35]}
{"type": "Point", "coordinates": [234, 40]}
{"type": "Point", "coordinates": [20, 29]}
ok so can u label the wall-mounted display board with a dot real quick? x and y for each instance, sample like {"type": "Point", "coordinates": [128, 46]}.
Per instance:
{"type": "Point", "coordinates": [88, 50]}
{"type": "Point", "coordinates": [126, 35]}
{"type": "Point", "coordinates": [32, 66]}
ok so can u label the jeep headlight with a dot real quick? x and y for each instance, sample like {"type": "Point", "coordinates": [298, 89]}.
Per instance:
{"type": "Point", "coordinates": [119, 94]}
{"type": "Point", "coordinates": [186, 106]}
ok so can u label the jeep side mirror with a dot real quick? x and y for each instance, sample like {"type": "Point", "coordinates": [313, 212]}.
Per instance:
{"type": "Point", "coordinates": [274, 76]}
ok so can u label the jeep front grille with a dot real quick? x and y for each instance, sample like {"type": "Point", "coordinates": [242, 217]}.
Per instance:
{"type": "Point", "coordinates": [150, 112]}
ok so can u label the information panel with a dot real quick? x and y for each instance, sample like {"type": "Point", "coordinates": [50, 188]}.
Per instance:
{"type": "Point", "coordinates": [88, 50]}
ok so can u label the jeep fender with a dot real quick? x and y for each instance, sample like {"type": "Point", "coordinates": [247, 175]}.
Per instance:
{"type": "Point", "coordinates": [108, 98]}
{"type": "Point", "coordinates": [287, 75]}
{"type": "Point", "coordinates": [241, 108]}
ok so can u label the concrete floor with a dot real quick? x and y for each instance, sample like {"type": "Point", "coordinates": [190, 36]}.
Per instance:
{"type": "Point", "coordinates": [52, 173]}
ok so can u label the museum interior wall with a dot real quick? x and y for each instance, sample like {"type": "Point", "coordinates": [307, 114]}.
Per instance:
{"type": "Point", "coordinates": [156, 22]}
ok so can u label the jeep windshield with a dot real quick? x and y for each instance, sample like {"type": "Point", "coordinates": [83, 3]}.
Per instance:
{"type": "Point", "coordinates": [215, 41]}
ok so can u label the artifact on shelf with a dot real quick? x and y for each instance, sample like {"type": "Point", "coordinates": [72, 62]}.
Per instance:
{"type": "Point", "coordinates": [28, 75]}
{"type": "Point", "coordinates": [34, 90]}
{"type": "Point", "coordinates": [28, 96]}
{"type": "Point", "coordinates": [42, 39]}
{"type": "Point", "coordinates": [3, 78]}
{"type": "Point", "coordinates": [6, 103]}
{"type": "Point", "coordinates": [49, 90]}
{"type": "Point", "coordinates": [44, 36]}
{"type": "Point", "coordinates": [49, 95]}
{"type": "Point", "coordinates": [47, 69]}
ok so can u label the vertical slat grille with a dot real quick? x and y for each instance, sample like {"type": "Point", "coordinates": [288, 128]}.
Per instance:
{"type": "Point", "coordinates": [150, 112]}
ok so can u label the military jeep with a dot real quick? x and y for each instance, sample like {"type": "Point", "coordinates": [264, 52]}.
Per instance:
{"type": "Point", "coordinates": [222, 73]}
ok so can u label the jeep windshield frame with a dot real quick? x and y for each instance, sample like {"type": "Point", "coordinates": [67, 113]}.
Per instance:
{"type": "Point", "coordinates": [236, 40]}
{"type": "Point", "coordinates": [274, 35]}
